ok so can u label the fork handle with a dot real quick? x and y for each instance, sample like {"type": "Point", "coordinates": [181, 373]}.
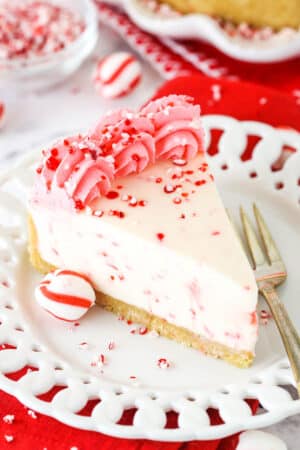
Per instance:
{"type": "Point", "coordinates": [289, 335]}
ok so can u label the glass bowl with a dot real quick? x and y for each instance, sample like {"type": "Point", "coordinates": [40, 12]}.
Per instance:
{"type": "Point", "coordinates": [42, 72]}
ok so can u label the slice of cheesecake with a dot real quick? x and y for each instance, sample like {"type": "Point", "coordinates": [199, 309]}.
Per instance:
{"type": "Point", "coordinates": [147, 226]}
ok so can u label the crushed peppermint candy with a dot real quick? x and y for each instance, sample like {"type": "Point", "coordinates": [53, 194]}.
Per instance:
{"type": "Point", "coordinates": [134, 380]}
{"type": "Point", "coordinates": [143, 330]}
{"type": "Point", "coordinates": [169, 188]}
{"type": "Point", "coordinates": [216, 92]}
{"type": "Point", "coordinates": [125, 197]}
{"type": "Point", "coordinates": [133, 201]}
{"type": "Point", "coordinates": [265, 316]}
{"type": "Point", "coordinates": [2, 114]}
{"type": "Point", "coordinates": [139, 330]}
{"type": "Point", "coordinates": [98, 213]}
{"type": "Point", "coordinates": [163, 363]}
{"type": "Point", "coordinates": [31, 29]}
{"type": "Point", "coordinates": [160, 236]}
{"type": "Point", "coordinates": [99, 361]}
{"type": "Point", "coordinates": [102, 359]}
{"type": "Point", "coordinates": [111, 345]}
{"type": "Point", "coordinates": [84, 346]}
{"type": "Point", "coordinates": [179, 162]}
{"type": "Point", "coordinates": [162, 9]}
{"type": "Point", "coordinates": [9, 418]}
{"type": "Point", "coordinates": [32, 414]}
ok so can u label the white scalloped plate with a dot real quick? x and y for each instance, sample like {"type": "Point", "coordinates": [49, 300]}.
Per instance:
{"type": "Point", "coordinates": [194, 382]}
{"type": "Point", "coordinates": [201, 26]}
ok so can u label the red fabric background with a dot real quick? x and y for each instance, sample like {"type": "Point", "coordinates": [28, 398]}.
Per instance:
{"type": "Point", "coordinates": [284, 76]}
{"type": "Point", "coordinates": [239, 100]}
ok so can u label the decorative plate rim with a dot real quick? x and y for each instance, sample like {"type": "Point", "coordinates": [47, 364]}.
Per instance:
{"type": "Point", "coordinates": [201, 26]}
{"type": "Point", "coordinates": [149, 420]}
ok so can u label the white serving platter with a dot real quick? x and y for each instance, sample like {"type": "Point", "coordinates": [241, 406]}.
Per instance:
{"type": "Point", "coordinates": [194, 382]}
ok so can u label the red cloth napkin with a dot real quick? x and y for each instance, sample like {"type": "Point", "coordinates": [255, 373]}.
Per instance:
{"type": "Point", "coordinates": [244, 101]}
{"type": "Point", "coordinates": [171, 57]}
{"type": "Point", "coordinates": [240, 100]}
{"type": "Point", "coordinates": [31, 431]}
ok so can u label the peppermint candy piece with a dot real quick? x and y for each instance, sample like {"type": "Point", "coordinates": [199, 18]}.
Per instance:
{"type": "Point", "coordinates": [117, 74]}
{"type": "Point", "coordinates": [65, 294]}
{"type": "Point", "coordinates": [2, 114]}
{"type": "Point", "coordinates": [260, 440]}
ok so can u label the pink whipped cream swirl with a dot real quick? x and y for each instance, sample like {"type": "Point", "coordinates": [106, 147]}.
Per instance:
{"type": "Point", "coordinates": [178, 131]}
{"type": "Point", "coordinates": [83, 168]}
{"type": "Point", "coordinates": [129, 139]}
{"type": "Point", "coordinates": [76, 166]}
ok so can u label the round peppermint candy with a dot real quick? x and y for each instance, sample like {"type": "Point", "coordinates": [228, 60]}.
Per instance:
{"type": "Point", "coordinates": [260, 440]}
{"type": "Point", "coordinates": [117, 74]}
{"type": "Point", "coordinates": [65, 294]}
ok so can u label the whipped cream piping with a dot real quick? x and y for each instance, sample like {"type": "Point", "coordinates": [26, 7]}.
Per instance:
{"type": "Point", "coordinates": [81, 169]}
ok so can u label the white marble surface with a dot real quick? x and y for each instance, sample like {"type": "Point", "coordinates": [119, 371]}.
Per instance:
{"type": "Point", "coordinates": [33, 119]}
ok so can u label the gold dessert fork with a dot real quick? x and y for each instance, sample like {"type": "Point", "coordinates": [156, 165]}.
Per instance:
{"type": "Point", "coordinates": [270, 272]}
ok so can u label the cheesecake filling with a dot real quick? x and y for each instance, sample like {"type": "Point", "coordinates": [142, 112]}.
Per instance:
{"type": "Point", "coordinates": [161, 241]}
{"type": "Point", "coordinates": [134, 207]}
{"type": "Point", "coordinates": [188, 293]}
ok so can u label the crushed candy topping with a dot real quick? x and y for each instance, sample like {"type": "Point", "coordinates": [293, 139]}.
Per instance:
{"type": "Point", "coordinates": [80, 169]}
{"type": "Point", "coordinates": [32, 29]}
{"type": "Point", "coordinates": [111, 345]}
{"type": "Point", "coordinates": [163, 363]}
{"type": "Point", "coordinates": [2, 112]}
{"type": "Point", "coordinates": [160, 236]}
{"type": "Point", "coordinates": [265, 316]}
{"type": "Point", "coordinates": [32, 414]}
{"type": "Point", "coordinates": [9, 418]}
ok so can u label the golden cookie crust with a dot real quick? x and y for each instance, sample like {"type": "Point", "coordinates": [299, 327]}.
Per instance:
{"type": "Point", "coordinates": [152, 322]}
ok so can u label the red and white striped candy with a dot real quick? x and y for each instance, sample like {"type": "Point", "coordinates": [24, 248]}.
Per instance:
{"type": "Point", "coordinates": [2, 114]}
{"type": "Point", "coordinates": [65, 294]}
{"type": "Point", "coordinates": [260, 440]}
{"type": "Point", "coordinates": [117, 74]}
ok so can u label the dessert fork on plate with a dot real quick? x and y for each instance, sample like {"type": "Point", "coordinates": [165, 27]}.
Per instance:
{"type": "Point", "coordinates": [270, 272]}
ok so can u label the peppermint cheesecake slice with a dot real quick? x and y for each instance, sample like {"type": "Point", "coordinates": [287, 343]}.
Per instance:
{"type": "Point", "coordinates": [133, 206]}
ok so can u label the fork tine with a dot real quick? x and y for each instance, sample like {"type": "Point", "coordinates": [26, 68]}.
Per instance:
{"type": "Point", "coordinates": [256, 251]}
{"type": "Point", "coordinates": [270, 246]}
